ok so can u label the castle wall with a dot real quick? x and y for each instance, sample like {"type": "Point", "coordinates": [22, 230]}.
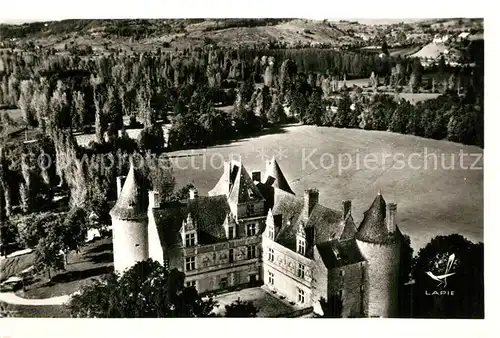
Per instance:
{"type": "Point", "coordinates": [381, 278]}
{"type": "Point", "coordinates": [130, 243]}
{"type": "Point", "coordinates": [213, 268]}
{"type": "Point", "coordinates": [320, 280]}
{"type": "Point", "coordinates": [258, 208]}
{"type": "Point", "coordinates": [284, 267]}
{"type": "Point", "coordinates": [154, 245]}
{"type": "Point", "coordinates": [348, 279]}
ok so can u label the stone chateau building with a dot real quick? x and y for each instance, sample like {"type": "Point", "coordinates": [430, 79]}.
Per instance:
{"type": "Point", "coordinates": [253, 229]}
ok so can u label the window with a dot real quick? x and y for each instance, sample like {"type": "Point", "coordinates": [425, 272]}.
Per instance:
{"type": "Point", "coordinates": [252, 278]}
{"type": "Point", "coordinates": [341, 272]}
{"type": "Point", "coordinates": [301, 298]}
{"type": "Point", "coordinates": [271, 278]}
{"type": "Point", "coordinates": [230, 233]}
{"type": "Point", "coordinates": [190, 239]}
{"type": "Point", "coordinates": [302, 247]}
{"type": "Point", "coordinates": [191, 283]}
{"type": "Point", "coordinates": [231, 255]}
{"type": "Point", "coordinates": [271, 233]}
{"type": "Point", "coordinates": [223, 283]}
{"type": "Point", "coordinates": [250, 209]}
{"type": "Point", "coordinates": [301, 270]}
{"type": "Point", "coordinates": [271, 255]}
{"type": "Point", "coordinates": [251, 229]}
{"type": "Point", "coordinates": [190, 263]}
{"type": "Point", "coordinates": [251, 252]}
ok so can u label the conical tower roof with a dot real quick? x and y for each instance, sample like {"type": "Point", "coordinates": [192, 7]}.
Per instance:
{"type": "Point", "coordinates": [243, 189]}
{"type": "Point", "coordinates": [349, 228]}
{"type": "Point", "coordinates": [373, 228]}
{"type": "Point", "coordinates": [280, 182]}
{"type": "Point", "coordinates": [131, 203]}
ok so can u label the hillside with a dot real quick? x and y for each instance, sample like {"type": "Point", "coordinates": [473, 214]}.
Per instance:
{"type": "Point", "coordinates": [430, 202]}
{"type": "Point", "coordinates": [139, 34]}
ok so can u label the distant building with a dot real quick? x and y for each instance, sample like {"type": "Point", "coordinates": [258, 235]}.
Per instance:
{"type": "Point", "coordinates": [463, 35]}
{"type": "Point", "coordinates": [254, 229]}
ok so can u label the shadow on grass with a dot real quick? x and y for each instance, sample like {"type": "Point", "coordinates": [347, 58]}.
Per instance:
{"type": "Point", "coordinates": [230, 142]}
{"type": "Point", "coordinates": [101, 248]}
{"type": "Point", "coordinates": [71, 276]}
{"type": "Point", "coordinates": [105, 257]}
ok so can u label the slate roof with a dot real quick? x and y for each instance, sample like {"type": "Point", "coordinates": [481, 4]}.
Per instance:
{"type": "Point", "coordinates": [335, 253]}
{"type": "Point", "coordinates": [274, 170]}
{"type": "Point", "coordinates": [327, 223]}
{"type": "Point", "coordinates": [349, 228]}
{"type": "Point", "coordinates": [132, 202]}
{"type": "Point", "coordinates": [208, 213]}
{"type": "Point", "coordinates": [373, 228]}
{"type": "Point", "coordinates": [242, 188]}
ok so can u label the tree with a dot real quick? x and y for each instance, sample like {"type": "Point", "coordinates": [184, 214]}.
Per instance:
{"type": "Point", "coordinates": [152, 138]}
{"type": "Point", "coordinates": [96, 82]}
{"type": "Point", "coordinates": [341, 119]}
{"type": "Point", "coordinates": [78, 110]}
{"type": "Point", "coordinates": [146, 290]}
{"type": "Point", "coordinates": [26, 95]}
{"type": "Point", "coordinates": [467, 281]}
{"type": "Point", "coordinates": [399, 119]}
{"type": "Point", "coordinates": [276, 113]}
{"type": "Point", "coordinates": [240, 309]}
{"type": "Point", "coordinates": [162, 178]}
{"type": "Point", "coordinates": [73, 231]}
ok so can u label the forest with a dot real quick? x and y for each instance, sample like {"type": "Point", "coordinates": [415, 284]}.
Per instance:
{"type": "Point", "coordinates": [62, 94]}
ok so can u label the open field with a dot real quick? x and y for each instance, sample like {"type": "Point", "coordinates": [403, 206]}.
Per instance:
{"type": "Point", "coordinates": [431, 199]}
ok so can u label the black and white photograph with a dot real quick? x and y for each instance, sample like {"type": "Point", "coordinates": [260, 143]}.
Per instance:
{"type": "Point", "coordinates": [231, 167]}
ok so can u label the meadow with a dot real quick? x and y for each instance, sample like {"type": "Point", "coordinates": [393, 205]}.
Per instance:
{"type": "Point", "coordinates": [436, 194]}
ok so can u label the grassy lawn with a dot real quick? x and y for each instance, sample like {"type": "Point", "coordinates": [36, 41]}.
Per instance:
{"type": "Point", "coordinates": [95, 260]}
{"type": "Point", "coordinates": [13, 265]}
{"type": "Point", "coordinates": [430, 201]}
{"type": "Point", "coordinates": [45, 311]}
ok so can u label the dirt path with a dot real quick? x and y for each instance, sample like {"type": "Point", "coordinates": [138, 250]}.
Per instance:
{"type": "Point", "coordinates": [12, 298]}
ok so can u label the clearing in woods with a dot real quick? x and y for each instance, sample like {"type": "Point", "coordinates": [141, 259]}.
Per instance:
{"type": "Point", "coordinates": [431, 199]}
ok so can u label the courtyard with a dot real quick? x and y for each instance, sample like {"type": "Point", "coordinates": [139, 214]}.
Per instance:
{"type": "Point", "coordinates": [269, 304]}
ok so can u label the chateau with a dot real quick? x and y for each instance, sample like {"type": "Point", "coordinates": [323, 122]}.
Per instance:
{"type": "Point", "coordinates": [252, 228]}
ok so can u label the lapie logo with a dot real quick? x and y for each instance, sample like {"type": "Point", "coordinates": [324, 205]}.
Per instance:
{"type": "Point", "coordinates": [442, 278]}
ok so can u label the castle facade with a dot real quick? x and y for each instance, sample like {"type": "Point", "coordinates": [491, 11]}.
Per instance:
{"type": "Point", "coordinates": [253, 229]}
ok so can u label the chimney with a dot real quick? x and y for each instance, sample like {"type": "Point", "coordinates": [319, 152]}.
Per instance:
{"type": "Point", "coordinates": [120, 180]}
{"type": "Point", "coordinates": [346, 208]}
{"type": "Point", "coordinates": [270, 180]}
{"type": "Point", "coordinates": [154, 199]}
{"type": "Point", "coordinates": [390, 217]}
{"type": "Point", "coordinates": [256, 176]}
{"type": "Point", "coordinates": [193, 193]}
{"type": "Point", "coordinates": [311, 198]}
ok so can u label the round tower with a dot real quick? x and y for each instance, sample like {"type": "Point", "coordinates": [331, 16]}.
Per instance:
{"type": "Point", "coordinates": [129, 223]}
{"type": "Point", "coordinates": [379, 243]}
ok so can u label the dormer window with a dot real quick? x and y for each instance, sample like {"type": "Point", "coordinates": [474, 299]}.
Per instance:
{"type": "Point", "coordinates": [190, 239]}
{"type": "Point", "coordinates": [301, 246]}
{"type": "Point", "coordinates": [189, 232]}
{"type": "Point", "coordinates": [251, 229]}
{"type": "Point", "coordinates": [250, 209]}
{"type": "Point", "coordinates": [270, 233]}
{"type": "Point", "coordinates": [301, 239]}
{"type": "Point", "coordinates": [231, 232]}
